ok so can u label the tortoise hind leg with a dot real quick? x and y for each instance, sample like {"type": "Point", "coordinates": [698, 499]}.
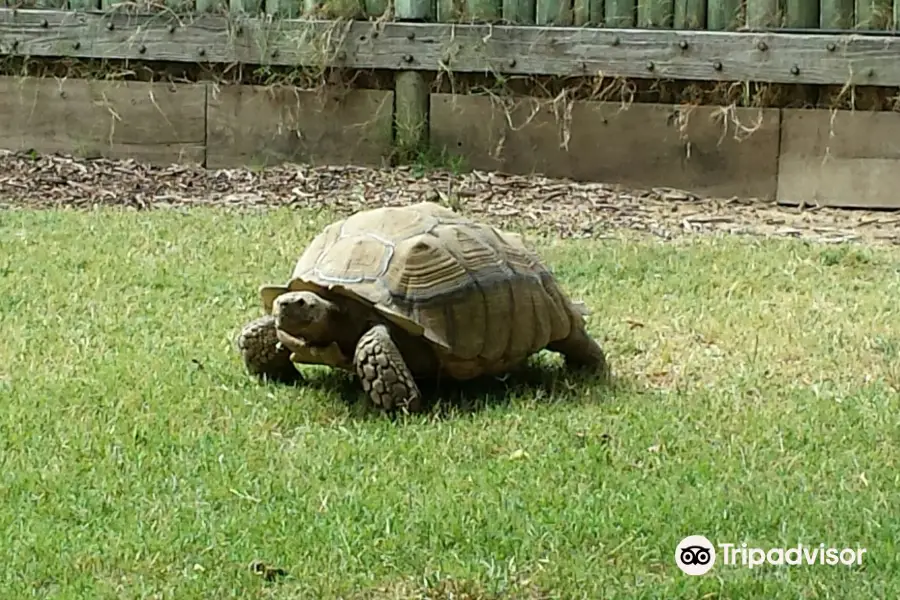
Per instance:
{"type": "Point", "coordinates": [383, 373]}
{"type": "Point", "coordinates": [582, 351]}
{"type": "Point", "coordinates": [263, 355]}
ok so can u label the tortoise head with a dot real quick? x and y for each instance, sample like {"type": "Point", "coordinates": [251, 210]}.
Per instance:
{"type": "Point", "coordinates": [305, 315]}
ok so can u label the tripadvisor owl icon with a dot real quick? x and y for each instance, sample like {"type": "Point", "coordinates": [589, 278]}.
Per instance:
{"type": "Point", "coordinates": [695, 555]}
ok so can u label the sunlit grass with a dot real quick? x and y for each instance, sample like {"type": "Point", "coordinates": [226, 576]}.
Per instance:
{"type": "Point", "coordinates": [756, 401]}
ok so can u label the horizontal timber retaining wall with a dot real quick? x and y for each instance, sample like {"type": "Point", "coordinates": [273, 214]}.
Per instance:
{"type": "Point", "coordinates": [837, 158]}
{"type": "Point", "coordinates": [831, 157]}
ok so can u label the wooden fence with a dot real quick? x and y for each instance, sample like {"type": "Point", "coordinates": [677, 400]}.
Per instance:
{"type": "Point", "coordinates": [820, 156]}
{"type": "Point", "coordinates": [673, 14]}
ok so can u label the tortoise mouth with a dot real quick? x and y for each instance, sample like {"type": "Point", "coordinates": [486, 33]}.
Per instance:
{"type": "Point", "coordinates": [289, 341]}
{"type": "Point", "coordinates": [291, 324]}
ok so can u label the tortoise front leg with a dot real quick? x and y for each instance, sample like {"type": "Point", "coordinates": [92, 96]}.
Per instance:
{"type": "Point", "coordinates": [383, 372]}
{"type": "Point", "coordinates": [263, 356]}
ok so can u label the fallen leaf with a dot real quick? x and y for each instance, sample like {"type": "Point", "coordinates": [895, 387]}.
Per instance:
{"type": "Point", "coordinates": [517, 454]}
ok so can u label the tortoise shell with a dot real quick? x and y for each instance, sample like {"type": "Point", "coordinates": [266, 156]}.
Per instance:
{"type": "Point", "coordinates": [477, 294]}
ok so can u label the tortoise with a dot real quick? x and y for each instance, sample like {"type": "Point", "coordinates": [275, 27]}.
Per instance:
{"type": "Point", "coordinates": [400, 294]}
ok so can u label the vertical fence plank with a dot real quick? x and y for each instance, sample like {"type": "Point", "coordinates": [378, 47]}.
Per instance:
{"type": "Point", "coordinates": [53, 4]}
{"type": "Point", "coordinates": [724, 14]}
{"type": "Point", "coordinates": [655, 13]}
{"type": "Point", "coordinates": [467, 11]}
{"type": "Point", "coordinates": [375, 8]}
{"type": "Point", "coordinates": [180, 7]}
{"type": "Point", "coordinates": [519, 12]}
{"type": "Point", "coordinates": [836, 14]}
{"type": "Point", "coordinates": [209, 6]}
{"type": "Point", "coordinates": [690, 14]}
{"type": "Point", "coordinates": [448, 11]}
{"type": "Point", "coordinates": [588, 12]}
{"type": "Point", "coordinates": [83, 4]}
{"type": "Point", "coordinates": [620, 13]}
{"type": "Point", "coordinates": [485, 10]}
{"type": "Point", "coordinates": [763, 13]}
{"type": "Point", "coordinates": [413, 10]}
{"type": "Point", "coordinates": [802, 13]}
{"type": "Point", "coordinates": [249, 7]}
{"type": "Point", "coordinates": [324, 9]}
{"type": "Point", "coordinates": [554, 12]}
{"type": "Point", "coordinates": [282, 9]}
{"type": "Point", "coordinates": [874, 14]}
{"type": "Point", "coordinates": [581, 12]}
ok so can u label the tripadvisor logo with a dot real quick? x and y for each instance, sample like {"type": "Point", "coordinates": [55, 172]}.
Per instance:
{"type": "Point", "coordinates": [696, 555]}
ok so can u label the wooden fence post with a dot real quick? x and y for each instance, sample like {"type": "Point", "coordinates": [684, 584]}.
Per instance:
{"type": "Point", "coordinates": [412, 90]}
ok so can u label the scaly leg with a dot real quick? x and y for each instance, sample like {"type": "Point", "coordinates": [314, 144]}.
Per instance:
{"type": "Point", "coordinates": [383, 372]}
{"type": "Point", "coordinates": [582, 351]}
{"type": "Point", "coordinates": [263, 356]}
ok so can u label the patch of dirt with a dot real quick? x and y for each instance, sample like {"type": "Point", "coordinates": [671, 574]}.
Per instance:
{"type": "Point", "coordinates": [566, 208]}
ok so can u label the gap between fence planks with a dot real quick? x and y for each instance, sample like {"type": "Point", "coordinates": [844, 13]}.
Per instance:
{"type": "Point", "coordinates": [524, 50]}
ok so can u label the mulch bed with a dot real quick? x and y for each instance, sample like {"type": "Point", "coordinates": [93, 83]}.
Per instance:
{"type": "Point", "coordinates": [568, 209]}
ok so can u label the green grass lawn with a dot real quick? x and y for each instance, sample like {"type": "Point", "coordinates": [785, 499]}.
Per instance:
{"type": "Point", "coordinates": [756, 401]}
